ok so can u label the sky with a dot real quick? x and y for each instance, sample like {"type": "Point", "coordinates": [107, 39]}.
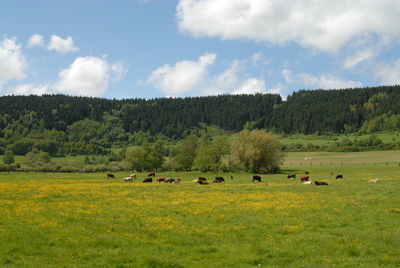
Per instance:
{"type": "Point", "coordinates": [179, 48]}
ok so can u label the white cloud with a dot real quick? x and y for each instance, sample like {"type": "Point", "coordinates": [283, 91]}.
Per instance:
{"type": "Point", "coordinates": [28, 89]}
{"type": "Point", "coordinates": [389, 74]}
{"type": "Point", "coordinates": [12, 61]}
{"type": "Point", "coordinates": [36, 40]}
{"type": "Point", "coordinates": [86, 76]}
{"type": "Point", "coordinates": [327, 82]}
{"type": "Point", "coordinates": [251, 86]}
{"type": "Point", "coordinates": [118, 71]}
{"type": "Point", "coordinates": [359, 57]}
{"type": "Point", "coordinates": [324, 24]}
{"type": "Point", "coordinates": [184, 76]}
{"type": "Point", "coordinates": [62, 45]}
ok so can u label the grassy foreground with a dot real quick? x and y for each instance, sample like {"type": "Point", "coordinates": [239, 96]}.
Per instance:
{"type": "Point", "coordinates": [85, 220]}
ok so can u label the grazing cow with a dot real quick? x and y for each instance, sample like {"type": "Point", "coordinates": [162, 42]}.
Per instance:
{"type": "Point", "coordinates": [339, 177]}
{"type": "Point", "coordinates": [221, 179]}
{"type": "Point", "coordinates": [128, 179]}
{"type": "Point", "coordinates": [147, 180]}
{"type": "Point", "coordinates": [291, 176]}
{"type": "Point", "coordinates": [256, 178]}
{"type": "Point", "coordinates": [373, 180]}
{"type": "Point", "coordinates": [306, 172]}
{"type": "Point", "coordinates": [320, 183]}
{"type": "Point", "coordinates": [169, 180]}
{"type": "Point", "coordinates": [231, 177]}
{"type": "Point", "coordinates": [202, 179]}
{"type": "Point", "coordinates": [151, 174]}
{"type": "Point", "coordinates": [133, 175]}
{"type": "Point", "coordinates": [307, 182]}
{"type": "Point", "coordinates": [160, 179]}
{"type": "Point", "coordinates": [304, 178]}
{"type": "Point", "coordinates": [109, 175]}
{"type": "Point", "coordinates": [177, 180]}
{"type": "Point", "coordinates": [331, 172]}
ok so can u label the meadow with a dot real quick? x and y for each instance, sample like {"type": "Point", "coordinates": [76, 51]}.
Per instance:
{"type": "Point", "coordinates": [87, 220]}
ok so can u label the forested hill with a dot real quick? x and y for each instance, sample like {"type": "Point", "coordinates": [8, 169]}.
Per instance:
{"type": "Point", "coordinates": [317, 111]}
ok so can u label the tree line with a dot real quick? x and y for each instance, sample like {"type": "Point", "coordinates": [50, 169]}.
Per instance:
{"type": "Point", "coordinates": [60, 124]}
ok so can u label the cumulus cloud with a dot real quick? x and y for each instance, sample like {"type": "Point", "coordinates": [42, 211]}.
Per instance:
{"type": "Point", "coordinates": [324, 81]}
{"type": "Point", "coordinates": [389, 74]}
{"type": "Point", "coordinates": [13, 62]}
{"type": "Point", "coordinates": [86, 76]}
{"type": "Point", "coordinates": [251, 86]}
{"type": "Point", "coordinates": [36, 40]}
{"type": "Point", "coordinates": [62, 45]}
{"type": "Point", "coordinates": [326, 25]}
{"type": "Point", "coordinates": [183, 77]}
{"type": "Point", "coordinates": [28, 89]}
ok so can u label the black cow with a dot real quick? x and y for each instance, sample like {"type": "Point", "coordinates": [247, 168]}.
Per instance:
{"type": "Point", "coordinates": [339, 177]}
{"type": "Point", "coordinates": [256, 178]}
{"type": "Point", "coordinates": [306, 172]}
{"type": "Point", "coordinates": [201, 179]}
{"type": "Point", "coordinates": [151, 174]}
{"type": "Point", "coordinates": [320, 183]}
{"type": "Point", "coordinates": [231, 177]}
{"type": "Point", "coordinates": [109, 175]}
{"type": "Point", "coordinates": [220, 179]}
{"type": "Point", "coordinates": [148, 180]}
{"type": "Point", "coordinates": [291, 176]}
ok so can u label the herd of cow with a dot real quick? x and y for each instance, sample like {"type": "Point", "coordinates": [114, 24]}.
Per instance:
{"type": "Point", "coordinates": [203, 181]}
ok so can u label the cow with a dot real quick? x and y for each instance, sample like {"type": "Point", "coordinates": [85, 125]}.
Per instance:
{"type": "Point", "coordinates": [169, 180]}
{"type": "Point", "coordinates": [133, 175]}
{"type": "Point", "coordinates": [160, 179]}
{"type": "Point", "coordinates": [373, 180]}
{"type": "Point", "coordinates": [151, 174]}
{"type": "Point", "coordinates": [219, 178]}
{"type": "Point", "coordinates": [291, 176]}
{"type": "Point", "coordinates": [306, 172]}
{"type": "Point", "coordinates": [256, 178]}
{"type": "Point", "coordinates": [339, 177]}
{"type": "Point", "coordinates": [147, 180]}
{"type": "Point", "coordinates": [231, 177]}
{"type": "Point", "coordinates": [304, 178]}
{"type": "Point", "coordinates": [307, 182]}
{"type": "Point", "coordinates": [128, 179]}
{"type": "Point", "coordinates": [177, 180]}
{"type": "Point", "coordinates": [202, 182]}
{"type": "Point", "coordinates": [331, 172]}
{"type": "Point", "coordinates": [320, 183]}
{"type": "Point", "coordinates": [202, 179]}
{"type": "Point", "coordinates": [109, 175]}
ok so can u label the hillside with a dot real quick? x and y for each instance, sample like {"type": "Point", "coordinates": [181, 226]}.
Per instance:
{"type": "Point", "coordinates": [85, 125]}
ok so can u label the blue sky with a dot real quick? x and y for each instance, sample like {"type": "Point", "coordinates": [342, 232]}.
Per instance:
{"type": "Point", "coordinates": [158, 48]}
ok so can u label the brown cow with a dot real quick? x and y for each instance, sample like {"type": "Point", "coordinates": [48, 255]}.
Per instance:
{"type": "Point", "coordinates": [133, 175]}
{"type": "Point", "coordinates": [373, 180]}
{"type": "Point", "coordinates": [160, 179]}
{"type": "Point", "coordinates": [320, 183]}
{"type": "Point", "coordinates": [151, 174]}
{"type": "Point", "coordinates": [177, 180]}
{"type": "Point", "coordinates": [304, 178]}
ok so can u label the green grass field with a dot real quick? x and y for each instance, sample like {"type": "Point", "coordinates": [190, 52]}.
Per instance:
{"type": "Point", "coordinates": [86, 220]}
{"type": "Point", "coordinates": [386, 137]}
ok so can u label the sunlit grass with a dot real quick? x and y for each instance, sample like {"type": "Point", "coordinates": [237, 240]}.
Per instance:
{"type": "Point", "coordinates": [87, 220]}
